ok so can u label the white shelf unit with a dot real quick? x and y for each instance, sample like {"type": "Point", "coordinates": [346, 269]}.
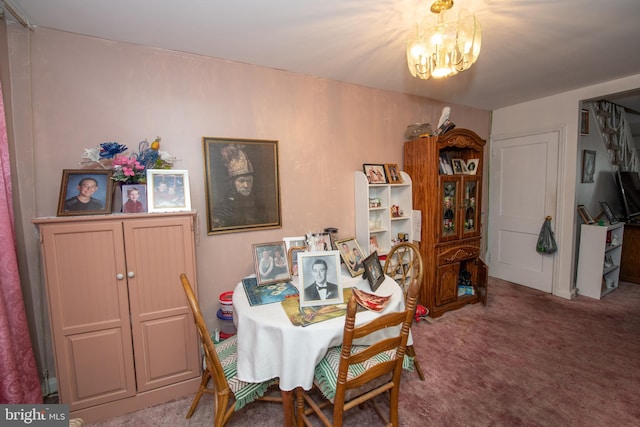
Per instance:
{"type": "Point", "coordinates": [599, 259]}
{"type": "Point", "coordinates": [377, 220]}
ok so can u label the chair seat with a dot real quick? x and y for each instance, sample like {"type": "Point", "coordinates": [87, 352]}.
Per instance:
{"type": "Point", "coordinates": [326, 372]}
{"type": "Point", "coordinates": [244, 392]}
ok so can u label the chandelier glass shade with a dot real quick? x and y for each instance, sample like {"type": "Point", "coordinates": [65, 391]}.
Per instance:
{"type": "Point", "coordinates": [444, 44]}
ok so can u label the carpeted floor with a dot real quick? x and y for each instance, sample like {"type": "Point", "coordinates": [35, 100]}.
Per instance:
{"type": "Point", "coordinates": [526, 359]}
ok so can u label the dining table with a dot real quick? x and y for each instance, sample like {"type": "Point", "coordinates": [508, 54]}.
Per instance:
{"type": "Point", "coordinates": [271, 346]}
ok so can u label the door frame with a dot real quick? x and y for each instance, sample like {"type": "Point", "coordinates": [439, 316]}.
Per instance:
{"type": "Point", "coordinates": [559, 217]}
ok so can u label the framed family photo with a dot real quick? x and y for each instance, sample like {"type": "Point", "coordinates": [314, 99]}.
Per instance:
{"type": "Point", "coordinates": [393, 173]}
{"type": "Point", "coordinates": [352, 255]}
{"type": "Point", "coordinates": [375, 173]}
{"type": "Point", "coordinates": [319, 278]}
{"type": "Point", "coordinates": [134, 198]}
{"type": "Point", "coordinates": [271, 263]}
{"type": "Point", "coordinates": [373, 271]}
{"type": "Point", "coordinates": [85, 192]}
{"type": "Point", "coordinates": [168, 190]}
{"type": "Point", "coordinates": [242, 185]}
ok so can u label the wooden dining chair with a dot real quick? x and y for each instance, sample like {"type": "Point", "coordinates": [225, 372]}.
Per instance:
{"type": "Point", "coordinates": [349, 375]}
{"type": "Point", "coordinates": [230, 394]}
{"type": "Point", "coordinates": [403, 264]}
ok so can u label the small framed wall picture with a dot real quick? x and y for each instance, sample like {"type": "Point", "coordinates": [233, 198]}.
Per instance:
{"type": "Point", "coordinates": [585, 215]}
{"type": "Point", "coordinates": [588, 165]}
{"type": "Point", "coordinates": [584, 121]}
{"type": "Point", "coordinates": [393, 173]}
{"type": "Point", "coordinates": [168, 190]}
{"type": "Point", "coordinates": [85, 192]}
{"type": "Point", "coordinates": [375, 173]}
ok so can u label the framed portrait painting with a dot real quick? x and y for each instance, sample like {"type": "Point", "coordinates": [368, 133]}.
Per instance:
{"type": "Point", "coordinates": [168, 190]}
{"type": "Point", "coordinates": [85, 192]}
{"type": "Point", "coordinates": [375, 173]}
{"type": "Point", "coordinates": [319, 278]}
{"type": "Point", "coordinates": [134, 198]}
{"type": "Point", "coordinates": [271, 264]}
{"type": "Point", "coordinates": [352, 255]}
{"type": "Point", "coordinates": [242, 185]}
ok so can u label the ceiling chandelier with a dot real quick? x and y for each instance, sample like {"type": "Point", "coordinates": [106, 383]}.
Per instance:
{"type": "Point", "coordinates": [443, 45]}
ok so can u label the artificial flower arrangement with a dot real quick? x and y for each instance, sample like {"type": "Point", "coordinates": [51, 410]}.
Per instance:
{"type": "Point", "coordinates": [132, 168]}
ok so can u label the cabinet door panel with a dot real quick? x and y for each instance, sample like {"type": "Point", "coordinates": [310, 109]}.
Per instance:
{"type": "Point", "coordinates": [449, 209]}
{"type": "Point", "coordinates": [447, 283]}
{"type": "Point", "coordinates": [89, 310]}
{"type": "Point", "coordinates": [165, 342]}
{"type": "Point", "coordinates": [470, 213]}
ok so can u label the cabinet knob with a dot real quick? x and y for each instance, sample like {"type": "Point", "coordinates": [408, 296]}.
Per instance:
{"type": "Point", "coordinates": [120, 276]}
{"type": "Point", "coordinates": [131, 275]}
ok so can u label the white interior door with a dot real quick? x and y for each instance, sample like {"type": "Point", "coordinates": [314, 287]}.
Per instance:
{"type": "Point", "coordinates": [522, 191]}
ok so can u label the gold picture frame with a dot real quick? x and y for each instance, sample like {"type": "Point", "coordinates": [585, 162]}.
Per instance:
{"type": "Point", "coordinates": [271, 263]}
{"type": "Point", "coordinates": [393, 173]}
{"type": "Point", "coordinates": [351, 255]}
{"type": "Point", "coordinates": [242, 185]}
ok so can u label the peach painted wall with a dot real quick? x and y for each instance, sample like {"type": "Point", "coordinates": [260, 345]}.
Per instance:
{"type": "Point", "coordinates": [86, 91]}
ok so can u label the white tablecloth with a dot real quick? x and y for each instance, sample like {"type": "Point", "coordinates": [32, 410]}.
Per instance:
{"type": "Point", "coordinates": [270, 346]}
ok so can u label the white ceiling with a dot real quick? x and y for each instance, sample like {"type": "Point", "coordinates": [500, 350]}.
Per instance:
{"type": "Point", "coordinates": [530, 48]}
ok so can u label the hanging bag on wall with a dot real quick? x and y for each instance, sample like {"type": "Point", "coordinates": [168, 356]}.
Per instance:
{"type": "Point", "coordinates": [546, 242]}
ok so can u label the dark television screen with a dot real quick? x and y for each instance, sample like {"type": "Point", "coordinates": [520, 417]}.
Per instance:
{"type": "Point", "coordinates": [629, 184]}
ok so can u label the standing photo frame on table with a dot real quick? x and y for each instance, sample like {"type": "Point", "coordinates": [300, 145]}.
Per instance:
{"type": "Point", "coordinates": [270, 262]}
{"type": "Point", "coordinates": [373, 271]}
{"type": "Point", "coordinates": [310, 266]}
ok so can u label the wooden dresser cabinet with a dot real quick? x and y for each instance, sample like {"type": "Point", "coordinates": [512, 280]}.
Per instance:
{"type": "Point", "coordinates": [123, 335]}
{"type": "Point", "coordinates": [451, 223]}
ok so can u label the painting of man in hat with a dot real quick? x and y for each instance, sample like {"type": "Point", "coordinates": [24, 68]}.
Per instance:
{"type": "Point", "coordinates": [243, 190]}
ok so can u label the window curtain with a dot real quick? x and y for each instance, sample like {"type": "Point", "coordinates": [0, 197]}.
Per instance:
{"type": "Point", "coordinates": [19, 382]}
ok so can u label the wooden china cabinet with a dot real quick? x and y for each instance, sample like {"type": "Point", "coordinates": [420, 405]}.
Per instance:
{"type": "Point", "coordinates": [451, 218]}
